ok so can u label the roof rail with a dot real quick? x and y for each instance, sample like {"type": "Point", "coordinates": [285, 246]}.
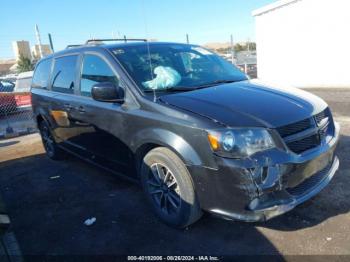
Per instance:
{"type": "Point", "coordinates": [72, 46]}
{"type": "Point", "coordinates": [115, 40]}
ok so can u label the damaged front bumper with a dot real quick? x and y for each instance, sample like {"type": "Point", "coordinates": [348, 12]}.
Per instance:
{"type": "Point", "coordinates": [269, 185]}
{"type": "Point", "coordinates": [280, 202]}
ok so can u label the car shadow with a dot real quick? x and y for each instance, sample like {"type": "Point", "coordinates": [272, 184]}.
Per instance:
{"type": "Point", "coordinates": [48, 202]}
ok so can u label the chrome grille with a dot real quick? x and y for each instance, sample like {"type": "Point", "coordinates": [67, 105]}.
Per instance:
{"type": "Point", "coordinates": [319, 117]}
{"type": "Point", "coordinates": [324, 131]}
{"type": "Point", "coordinates": [318, 127]}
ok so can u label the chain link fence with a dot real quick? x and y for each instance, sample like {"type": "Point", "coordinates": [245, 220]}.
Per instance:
{"type": "Point", "coordinates": [16, 115]}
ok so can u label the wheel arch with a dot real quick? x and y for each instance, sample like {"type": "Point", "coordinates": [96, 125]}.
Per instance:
{"type": "Point", "coordinates": [149, 139]}
{"type": "Point", "coordinates": [40, 116]}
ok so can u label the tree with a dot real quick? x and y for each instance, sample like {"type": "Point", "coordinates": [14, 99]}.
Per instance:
{"type": "Point", "coordinates": [238, 48]}
{"type": "Point", "coordinates": [24, 64]}
{"type": "Point", "coordinates": [251, 45]}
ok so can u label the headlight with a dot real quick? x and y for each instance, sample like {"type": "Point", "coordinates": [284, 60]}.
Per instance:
{"type": "Point", "coordinates": [238, 143]}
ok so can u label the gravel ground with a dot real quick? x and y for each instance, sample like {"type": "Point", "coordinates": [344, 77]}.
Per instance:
{"type": "Point", "coordinates": [49, 201]}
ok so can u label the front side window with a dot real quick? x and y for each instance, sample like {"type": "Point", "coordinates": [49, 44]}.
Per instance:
{"type": "Point", "coordinates": [63, 75]}
{"type": "Point", "coordinates": [175, 66]}
{"type": "Point", "coordinates": [42, 74]}
{"type": "Point", "coordinates": [95, 70]}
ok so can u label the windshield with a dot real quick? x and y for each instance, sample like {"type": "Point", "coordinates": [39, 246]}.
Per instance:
{"type": "Point", "coordinates": [175, 66]}
{"type": "Point", "coordinates": [6, 86]}
{"type": "Point", "coordinates": [23, 84]}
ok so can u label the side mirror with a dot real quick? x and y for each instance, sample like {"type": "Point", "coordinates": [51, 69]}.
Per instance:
{"type": "Point", "coordinates": [107, 92]}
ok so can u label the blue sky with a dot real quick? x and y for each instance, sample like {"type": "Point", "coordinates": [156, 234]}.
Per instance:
{"type": "Point", "coordinates": [74, 21]}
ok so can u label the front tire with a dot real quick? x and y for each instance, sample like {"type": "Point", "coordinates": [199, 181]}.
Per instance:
{"type": "Point", "coordinates": [169, 188]}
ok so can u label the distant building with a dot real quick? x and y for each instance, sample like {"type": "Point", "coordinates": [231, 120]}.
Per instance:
{"type": "Point", "coordinates": [304, 43]}
{"type": "Point", "coordinates": [46, 50]}
{"type": "Point", "coordinates": [21, 48]}
{"type": "Point", "coordinates": [246, 61]}
{"type": "Point", "coordinates": [246, 57]}
{"type": "Point", "coordinates": [5, 66]}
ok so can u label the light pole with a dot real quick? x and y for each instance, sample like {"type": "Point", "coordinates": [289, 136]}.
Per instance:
{"type": "Point", "coordinates": [38, 40]}
{"type": "Point", "coordinates": [232, 51]}
{"type": "Point", "coordinates": [51, 43]}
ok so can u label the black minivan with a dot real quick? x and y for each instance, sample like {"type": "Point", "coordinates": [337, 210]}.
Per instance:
{"type": "Point", "coordinates": [195, 131]}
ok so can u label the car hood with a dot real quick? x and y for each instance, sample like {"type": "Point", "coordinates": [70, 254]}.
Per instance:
{"type": "Point", "coordinates": [248, 103]}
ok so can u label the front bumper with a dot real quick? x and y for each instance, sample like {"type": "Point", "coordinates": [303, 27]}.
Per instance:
{"type": "Point", "coordinates": [233, 191]}
{"type": "Point", "coordinates": [277, 203]}
{"type": "Point", "coordinates": [24, 108]}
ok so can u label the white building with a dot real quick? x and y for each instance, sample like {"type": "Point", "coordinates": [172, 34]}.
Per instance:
{"type": "Point", "coordinates": [304, 43]}
{"type": "Point", "coordinates": [21, 48]}
{"type": "Point", "coordinates": [45, 49]}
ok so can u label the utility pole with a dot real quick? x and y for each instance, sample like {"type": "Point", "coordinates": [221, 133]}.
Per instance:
{"type": "Point", "coordinates": [232, 51]}
{"type": "Point", "coordinates": [51, 44]}
{"type": "Point", "coordinates": [38, 40]}
{"type": "Point", "coordinates": [187, 39]}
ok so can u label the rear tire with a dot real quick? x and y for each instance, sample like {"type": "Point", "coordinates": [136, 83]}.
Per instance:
{"type": "Point", "coordinates": [51, 148]}
{"type": "Point", "coordinates": [169, 188]}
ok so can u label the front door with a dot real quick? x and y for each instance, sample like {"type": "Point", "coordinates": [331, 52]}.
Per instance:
{"type": "Point", "coordinates": [102, 120]}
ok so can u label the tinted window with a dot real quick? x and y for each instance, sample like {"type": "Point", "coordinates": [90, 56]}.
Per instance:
{"type": "Point", "coordinates": [63, 76]}
{"type": "Point", "coordinates": [95, 70]}
{"type": "Point", "coordinates": [42, 74]}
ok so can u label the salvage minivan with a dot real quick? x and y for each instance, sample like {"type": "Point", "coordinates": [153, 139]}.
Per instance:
{"type": "Point", "coordinates": [194, 130]}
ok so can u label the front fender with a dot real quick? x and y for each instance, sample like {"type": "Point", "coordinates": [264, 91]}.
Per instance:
{"type": "Point", "coordinates": [168, 139]}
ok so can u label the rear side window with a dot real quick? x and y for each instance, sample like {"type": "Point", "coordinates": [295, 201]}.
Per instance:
{"type": "Point", "coordinates": [42, 74]}
{"type": "Point", "coordinates": [63, 75]}
{"type": "Point", "coordinates": [95, 70]}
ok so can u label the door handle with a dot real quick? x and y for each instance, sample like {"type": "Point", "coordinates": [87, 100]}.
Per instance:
{"type": "Point", "coordinates": [68, 107]}
{"type": "Point", "coordinates": [81, 109]}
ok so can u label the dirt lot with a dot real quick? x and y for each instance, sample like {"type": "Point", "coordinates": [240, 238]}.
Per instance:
{"type": "Point", "coordinates": [49, 201]}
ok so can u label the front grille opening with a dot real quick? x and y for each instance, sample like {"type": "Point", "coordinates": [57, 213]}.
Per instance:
{"type": "Point", "coordinates": [302, 145]}
{"type": "Point", "coordinates": [312, 141]}
{"type": "Point", "coordinates": [295, 128]}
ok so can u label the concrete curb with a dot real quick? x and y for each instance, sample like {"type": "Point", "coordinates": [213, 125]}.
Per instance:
{"type": "Point", "coordinates": [5, 135]}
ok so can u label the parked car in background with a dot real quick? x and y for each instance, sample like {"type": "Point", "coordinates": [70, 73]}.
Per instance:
{"type": "Point", "coordinates": [190, 127]}
{"type": "Point", "coordinates": [23, 82]}
{"type": "Point", "coordinates": [7, 99]}
{"type": "Point", "coordinates": [22, 91]}
{"type": "Point", "coordinates": [16, 97]}
{"type": "Point", "coordinates": [6, 86]}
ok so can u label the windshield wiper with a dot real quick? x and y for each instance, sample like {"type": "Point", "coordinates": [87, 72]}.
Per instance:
{"type": "Point", "coordinates": [191, 88]}
{"type": "Point", "coordinates": [171, 89]}
{"type": "Point", "coordinates": [217, 82]}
